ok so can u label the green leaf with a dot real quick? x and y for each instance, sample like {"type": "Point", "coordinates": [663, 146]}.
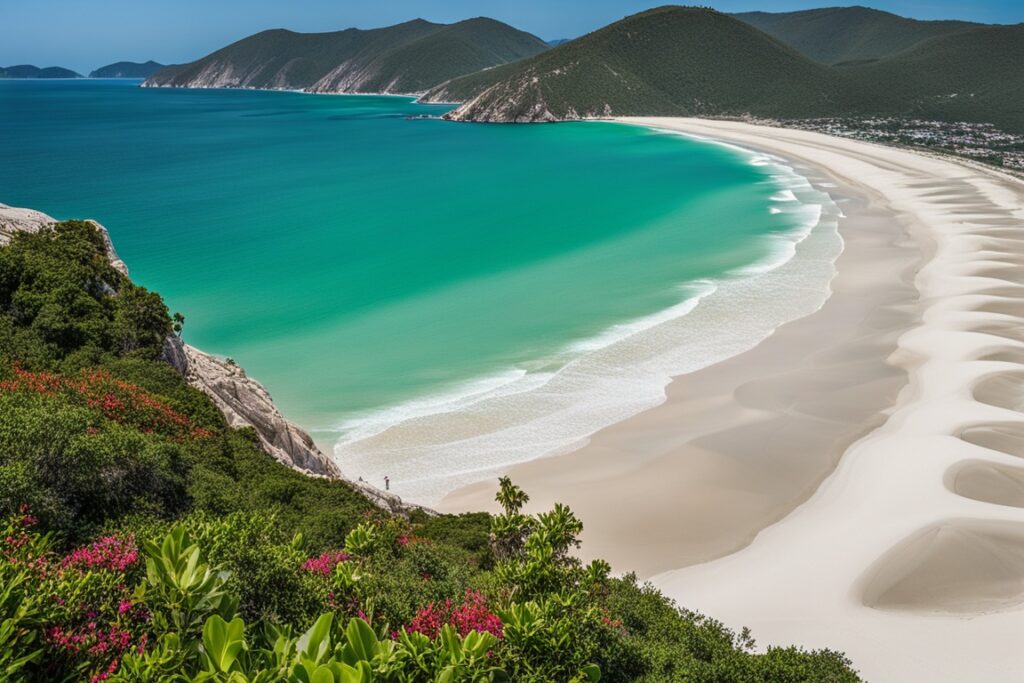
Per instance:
{"type": "Point", "coordinates": [223, 642]}
{"type": "Point", "coordinates": [322, 674]}
{"type": "Point", "coordinates": [360, 673]}
{"type": "Point", "coordinates": [316, 642]}
{"type": "Point", "coordinates": [361, 639]}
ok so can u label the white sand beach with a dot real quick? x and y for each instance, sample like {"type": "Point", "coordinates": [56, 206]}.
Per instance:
{"type": "Point", "coordinates": [855, 481]}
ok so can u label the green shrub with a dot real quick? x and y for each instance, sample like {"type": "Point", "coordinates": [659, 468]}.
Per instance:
{"type": "Point", "coordinates": [255, 572]}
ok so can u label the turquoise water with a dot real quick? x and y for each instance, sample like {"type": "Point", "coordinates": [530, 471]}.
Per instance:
{"type": "Point", "coordinates": [366, 265]}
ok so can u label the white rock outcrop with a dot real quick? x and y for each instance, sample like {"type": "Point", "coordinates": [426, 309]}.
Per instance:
{"type": "Point", "coordinates": [243, 401]}
{"type": "Point", "coordinates": [246, 403]}
{"type": "Point", "coordinates": [13, 219]}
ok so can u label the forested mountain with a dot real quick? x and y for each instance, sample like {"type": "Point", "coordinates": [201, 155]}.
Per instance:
{"type": "Point", "coordinates": [127, 70]}
{"type": "Point", "coordinates": [844, 34]}
{"type": "Point", "coordinates": [698, 62]}
{"type": "Point", "coordinates": [670, 60]}
{"type": "Point", "coordinates": [404, 58]}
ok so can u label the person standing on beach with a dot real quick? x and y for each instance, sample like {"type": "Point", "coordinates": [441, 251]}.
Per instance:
{"type": "Point", "coordinates": [387, 483]}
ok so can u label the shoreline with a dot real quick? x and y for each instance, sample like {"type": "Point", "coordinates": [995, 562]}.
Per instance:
{"type": "Point", "coordinates": [704, 447]}
{"type": "Point", "coordinates": [909, 556]}
{"type": "Point", "coordinates": [472, 432]}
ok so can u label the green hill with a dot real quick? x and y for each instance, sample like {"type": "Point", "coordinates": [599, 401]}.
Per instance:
{"type": "Point", "coordinates": [127, 70]}
{"type": "Point", "coordinates": [971, 76]}
{"type": "Point", "coordinates": [404, 58]}
{"type": "Point", "coordinates": [846, 34]}
{"type": "Point", "coordinates": [29, 71]}
{"type": "Point", "coordinates": [670, 60]}
{"type": "Point", "coordinates": [697, 62]}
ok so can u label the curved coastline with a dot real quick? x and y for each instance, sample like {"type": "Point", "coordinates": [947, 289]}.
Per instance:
{"type": "Point", "coordinates": [908, 557]}
{"type": "Point", "coordinates": [737, 445]}
{"type": "Point", "coordinates": [520, 415]}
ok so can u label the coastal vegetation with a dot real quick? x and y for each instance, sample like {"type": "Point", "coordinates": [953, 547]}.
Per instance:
{"type": "Point", "coordinates": [146, 540]}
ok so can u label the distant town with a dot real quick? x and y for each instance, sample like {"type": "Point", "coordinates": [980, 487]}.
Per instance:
{"type": "Point", "coordinates": [977, 141]}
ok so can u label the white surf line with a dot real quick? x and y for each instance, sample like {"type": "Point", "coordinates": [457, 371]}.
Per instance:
{"type": "Point", "coordinates": [427, 455]}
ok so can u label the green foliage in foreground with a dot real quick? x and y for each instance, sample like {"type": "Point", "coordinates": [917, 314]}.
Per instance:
{"type": "Point", "coordinates": [145, 540]}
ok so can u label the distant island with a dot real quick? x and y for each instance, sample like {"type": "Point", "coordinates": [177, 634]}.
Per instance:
{"type": "Point", "coordinates": [30, 71]}
{"type": "Point", "coordinates": [406, 58]}
{"type": "Point", "coordinates": [127, 70]}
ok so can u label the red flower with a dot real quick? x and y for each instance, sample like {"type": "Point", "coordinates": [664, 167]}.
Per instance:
{"type": "Point", "coordinates": [118, 401]}
{"type": "Point", "coordinates": [325, 563]}
{"type": "Point", "coordinates": [110, 553]}
{"type": "Point", "coordinates": [472, 615]}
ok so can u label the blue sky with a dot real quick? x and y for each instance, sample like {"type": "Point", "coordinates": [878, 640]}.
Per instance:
{"type": "Point", "coordinates": [85, 34]}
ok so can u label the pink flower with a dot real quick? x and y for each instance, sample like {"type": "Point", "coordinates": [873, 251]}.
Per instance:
{"type": "Point", "coordinates": [472, 615]}
{"type": "Point", "coordinates": [325, 563]}
{"type": "Point", "coordinates": [110, 553]}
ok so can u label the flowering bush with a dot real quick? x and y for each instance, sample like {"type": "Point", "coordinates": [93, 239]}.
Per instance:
{"type": "Point", "coordinates": [89, 614]}
{"type": "Point", "coordinates": [110, 553]}
{"type": "Point", "coordinates": [470, 615]}
{"type": "Point", "coordinates": [113, 399]}
{"type": "Point", "coordinates": [325, 563]}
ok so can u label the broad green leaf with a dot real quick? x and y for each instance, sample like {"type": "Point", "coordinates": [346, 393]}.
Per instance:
{"type": "Point", "coordinates": [361, 639]}
{"type": "Point", "coordinates": [316, 642]}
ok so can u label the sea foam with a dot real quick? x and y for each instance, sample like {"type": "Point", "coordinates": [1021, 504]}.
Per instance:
{"type": "Point", "coordinates": [431, 446]}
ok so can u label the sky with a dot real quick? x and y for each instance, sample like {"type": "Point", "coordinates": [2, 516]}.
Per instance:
{"type": "Point", "coordinates": [85, 34]}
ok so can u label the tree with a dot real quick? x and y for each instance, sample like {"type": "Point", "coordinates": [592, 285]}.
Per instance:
{"type": "Point", "coordinates": [178, 323]}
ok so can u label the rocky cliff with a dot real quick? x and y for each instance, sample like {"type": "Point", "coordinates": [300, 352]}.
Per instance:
{"type": "Point", "coordinates": [243, 401]}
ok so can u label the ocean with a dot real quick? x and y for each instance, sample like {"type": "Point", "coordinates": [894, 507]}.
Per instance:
{"type": "Point", "coordinates": [432, 301]}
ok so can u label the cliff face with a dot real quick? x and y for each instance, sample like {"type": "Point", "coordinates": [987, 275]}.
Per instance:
{"type": "Point", "coordinates": [243, 401]}
{"type": "Point", "coordinates": [246, 403]}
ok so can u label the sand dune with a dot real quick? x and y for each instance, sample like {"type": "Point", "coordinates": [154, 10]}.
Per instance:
{"type": "Point", "coordinates": [1005, 437]}
{"type": "Point", "coordinates": [962, 566]}
{"type": "Point", "coordinates": [1002, 390]}
{"type": "Point", "coordinates": [988, 481]}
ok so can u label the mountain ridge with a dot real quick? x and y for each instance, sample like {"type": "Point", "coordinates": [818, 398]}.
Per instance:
{"type": "Point", "coordinates": [405, 58]}
{"type": "Point", "coordinates": [832, 35]}
{"type": "Point", "coordinates": [698, 62]}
